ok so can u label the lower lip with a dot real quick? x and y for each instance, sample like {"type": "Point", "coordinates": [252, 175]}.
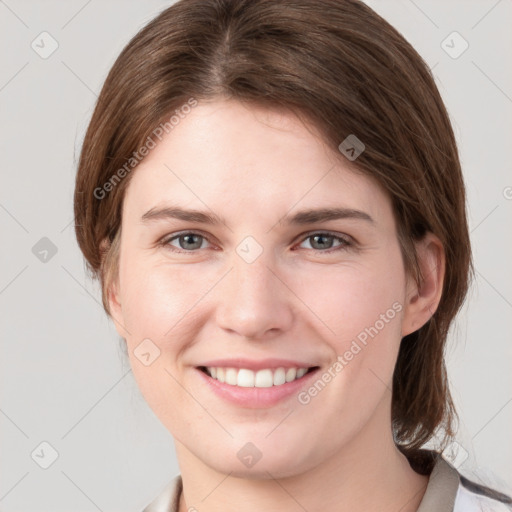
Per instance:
{"type": "Point", "coordinates": [256, 398]}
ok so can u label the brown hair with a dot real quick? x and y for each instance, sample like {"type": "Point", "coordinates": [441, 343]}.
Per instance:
{"type": "Point", "coordinates": [345, 70]}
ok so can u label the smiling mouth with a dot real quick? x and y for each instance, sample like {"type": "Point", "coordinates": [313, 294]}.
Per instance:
{"type": "Point", "coordinates": [264, 378]}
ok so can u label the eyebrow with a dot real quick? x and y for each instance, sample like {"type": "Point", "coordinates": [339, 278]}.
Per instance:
{"type": "Point", "coordinates": [309, 216]}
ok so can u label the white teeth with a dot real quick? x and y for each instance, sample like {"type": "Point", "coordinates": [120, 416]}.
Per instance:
{"type": "Point", "coordinates": [279, 376]}
{"type": "Point", "coordinates": [301, 372]}
{"type": "Point", "coordinates": [260, 379]}
{"type": "Point", "coordinates": [291, 373]}
{"type": "Point", "coordinates": [263, 379]}
{"type": "Point", "coordinates": [231, 376]}
{"type": "Point", "coordinates": [245, 378]}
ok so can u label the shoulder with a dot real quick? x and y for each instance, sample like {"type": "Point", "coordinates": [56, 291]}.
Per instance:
{"type": "Point", "coordinates": [168, 499]}
{"type": "Point", "coordinates": [473, 497]}
{"type": "Point", "coordinates": [449, 491]}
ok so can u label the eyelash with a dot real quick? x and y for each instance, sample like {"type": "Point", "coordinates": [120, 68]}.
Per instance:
{"type": "Point", "coordinates": [346, 243]}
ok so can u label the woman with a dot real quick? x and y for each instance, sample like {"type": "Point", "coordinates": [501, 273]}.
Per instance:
{"type": "Point", "coordinates": [271, 195]}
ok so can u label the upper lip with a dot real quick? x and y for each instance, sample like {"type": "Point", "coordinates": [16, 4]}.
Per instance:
{"type": "Point", "coordinates": [256, 364]}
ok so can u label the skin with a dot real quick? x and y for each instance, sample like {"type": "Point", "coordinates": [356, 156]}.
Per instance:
{"type": "Point", "coordinates": [253, 166]}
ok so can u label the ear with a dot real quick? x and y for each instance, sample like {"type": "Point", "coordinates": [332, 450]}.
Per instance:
{"type": "Point", "coordinates": [421, 300]}
{"type": "Point", "coordinates": [112, 290]}
{"type": "Point", "coordinates": [114, 302]}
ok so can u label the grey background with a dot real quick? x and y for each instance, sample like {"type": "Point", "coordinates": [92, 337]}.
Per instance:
{"type": "Point", "coordinates": [63, 378]}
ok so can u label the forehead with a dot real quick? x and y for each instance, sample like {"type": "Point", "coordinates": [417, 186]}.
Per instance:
{"type": "Point", "coordinates": [244, 160]}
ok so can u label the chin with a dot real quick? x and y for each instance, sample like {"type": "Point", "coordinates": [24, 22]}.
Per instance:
{"type": "Point", "coordinates": [261, 464]}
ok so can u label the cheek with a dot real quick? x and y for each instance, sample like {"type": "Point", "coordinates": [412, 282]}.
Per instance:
{"type": "Point", "coordinates": [157, 298]}
{"type": "Point", "coordinates": [343, 301]}
{"type": "Point", "coordinates": [350, 301]}
{"type": "Point", "coordinates": [360, 309]}
{"type": "Point", "coordinates": [155, 302]}
{"type": "Point", "coordinates": [364, 310]}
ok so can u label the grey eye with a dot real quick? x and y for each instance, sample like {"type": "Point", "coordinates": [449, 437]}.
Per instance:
{"type": "Point", "coordinates": [187, 241]}
{"type": "Point", "coordinates": [324, 241]}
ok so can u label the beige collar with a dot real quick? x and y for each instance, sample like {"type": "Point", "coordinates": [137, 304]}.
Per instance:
{"type": "Point", "coordinates": [442, 487]}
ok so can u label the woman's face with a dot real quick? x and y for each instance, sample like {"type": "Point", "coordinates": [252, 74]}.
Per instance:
{"type": "Point", "coordinates": [266, 289]}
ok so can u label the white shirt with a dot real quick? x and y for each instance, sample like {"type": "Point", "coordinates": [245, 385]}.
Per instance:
{"type": "Point", "coordinates": [467, 501]}
{"type": "Point", "coordinates": [447, 491]}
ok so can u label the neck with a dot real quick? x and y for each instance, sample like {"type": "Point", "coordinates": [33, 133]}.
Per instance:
{"type": "Point", "coordinates": [368, 474]}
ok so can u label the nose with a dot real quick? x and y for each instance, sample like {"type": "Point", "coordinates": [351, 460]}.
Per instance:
{"type": "Point", "coordinates": [253, 301]}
